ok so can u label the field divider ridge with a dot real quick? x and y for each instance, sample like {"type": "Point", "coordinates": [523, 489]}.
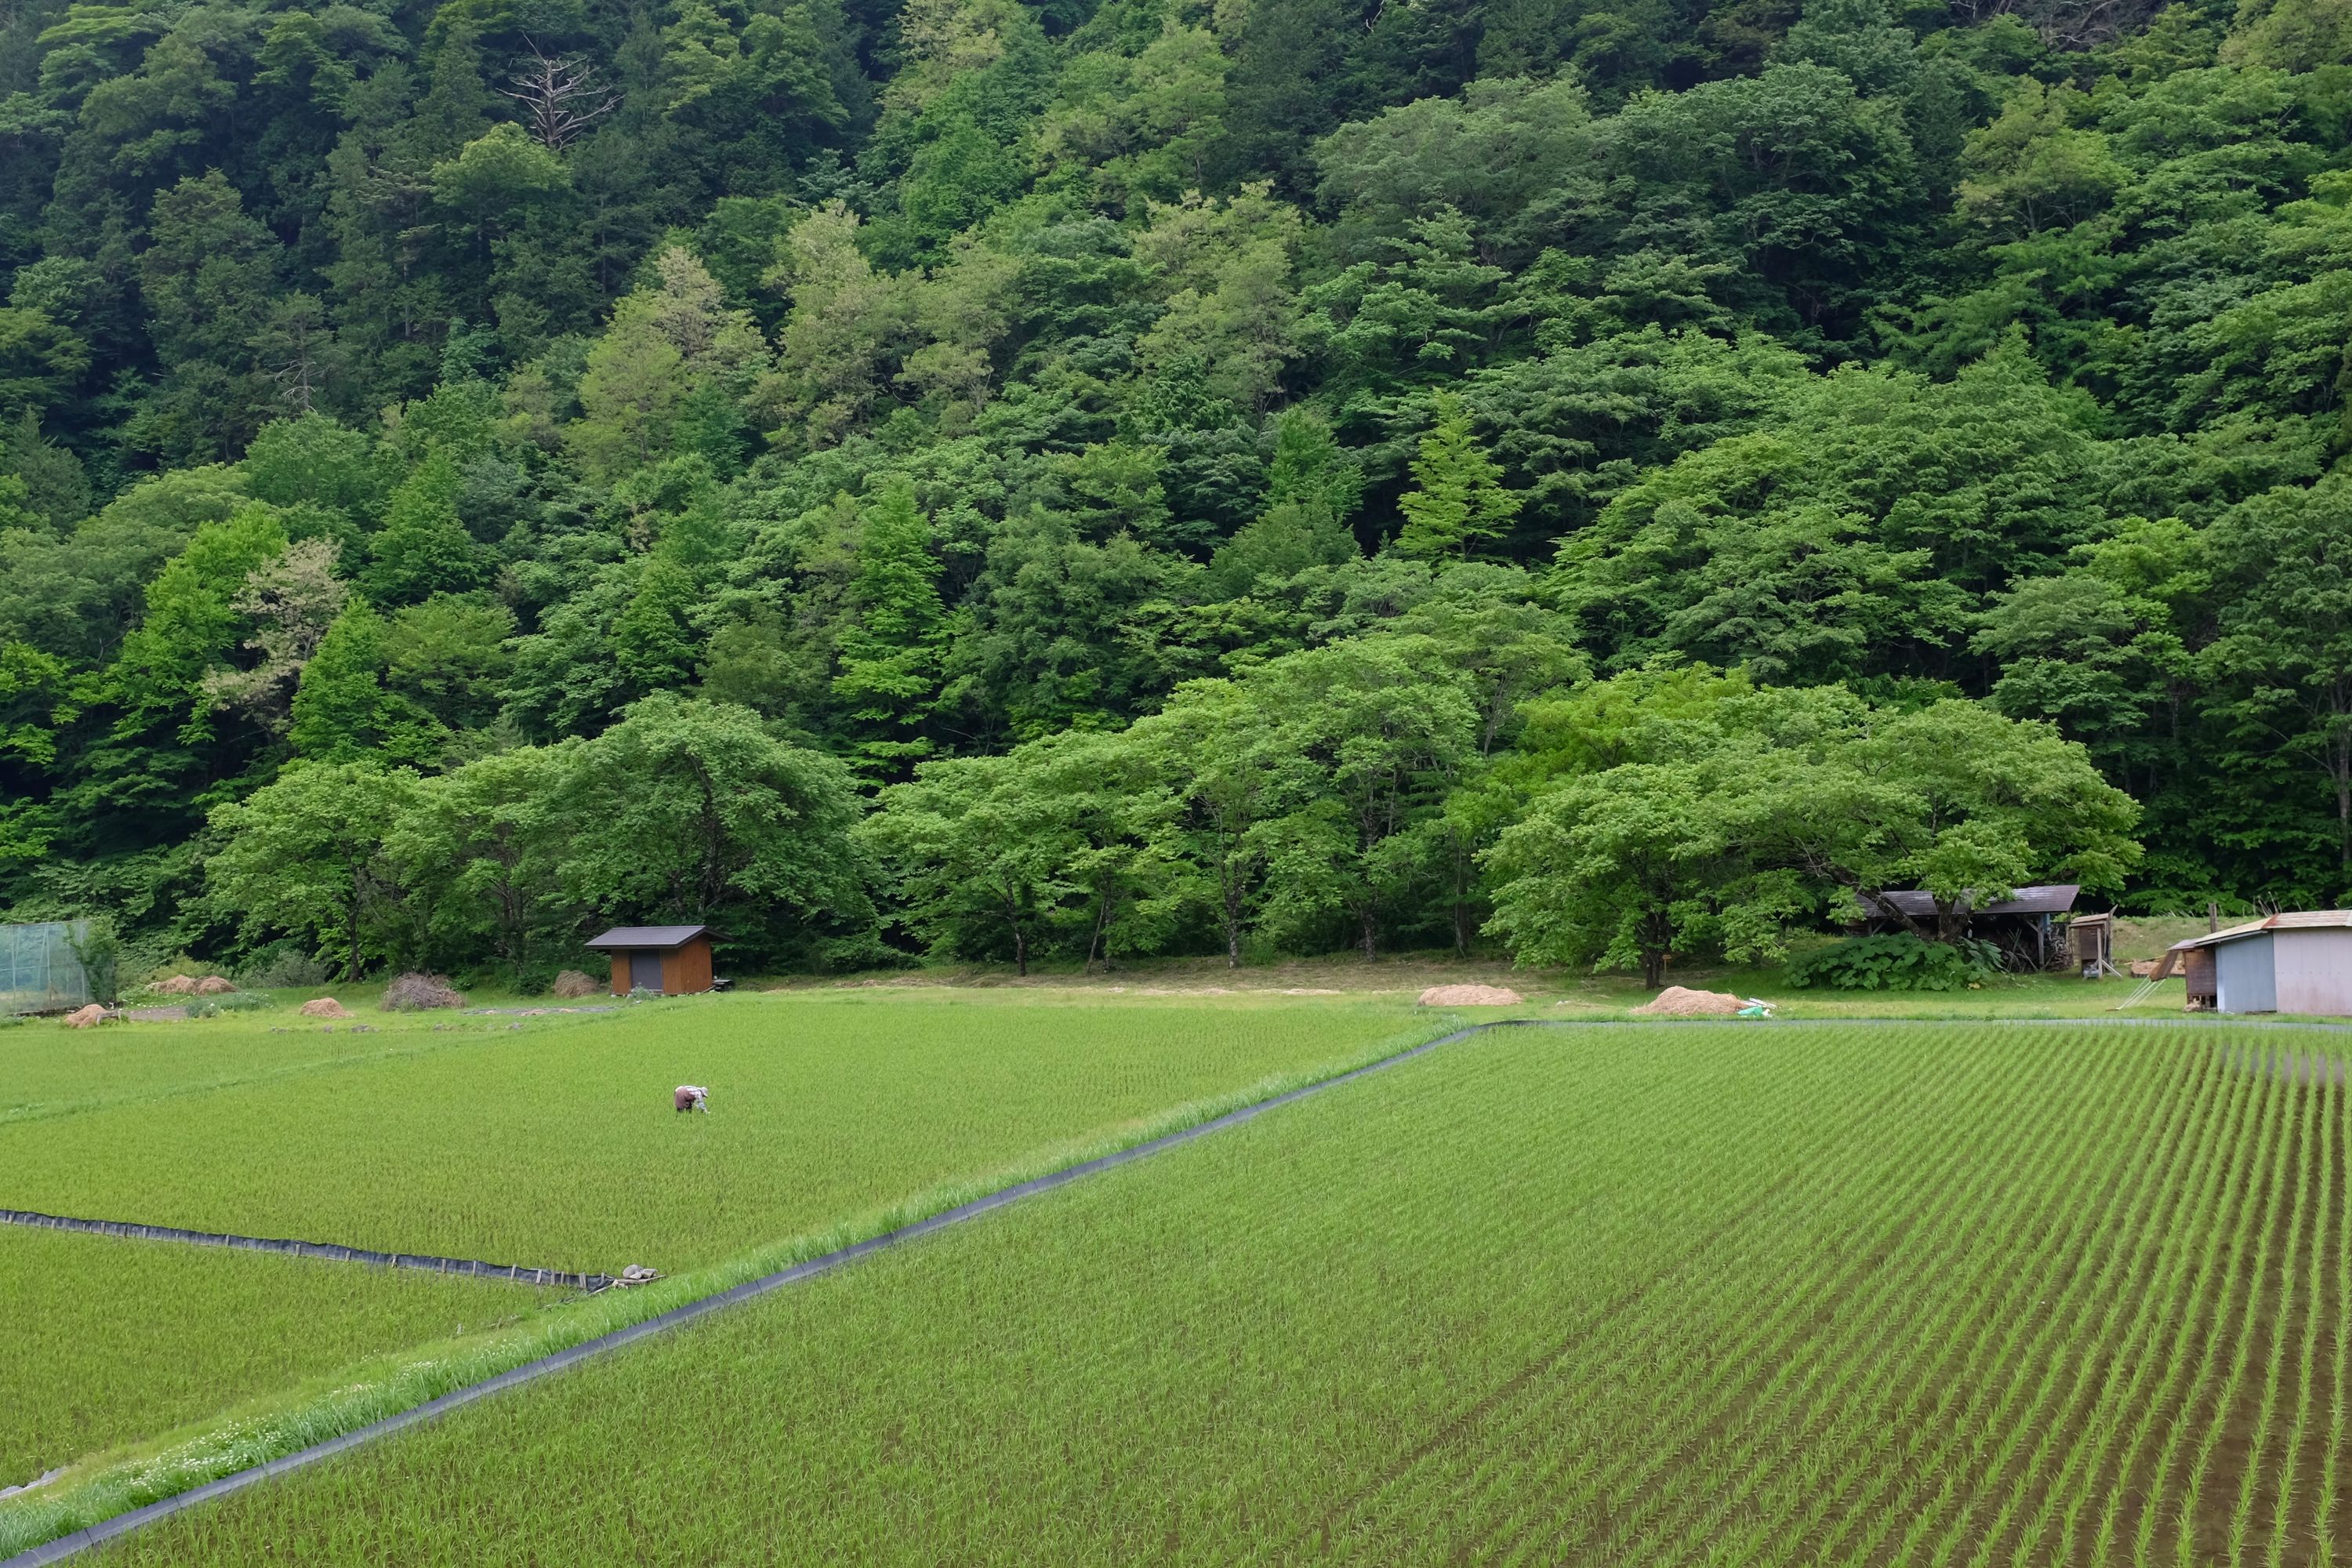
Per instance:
{"type": "Point", "coordinates": [333, 1252]}
{"type": "Point", "coordinates": [102, 1531]}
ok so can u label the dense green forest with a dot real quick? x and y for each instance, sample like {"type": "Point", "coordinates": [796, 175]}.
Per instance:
{"type": "Point", "coordinates": [1603, 479]}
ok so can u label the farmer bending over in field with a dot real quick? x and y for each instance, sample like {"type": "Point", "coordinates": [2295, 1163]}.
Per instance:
{"type": "Point", "coordinates": [691, 1097]}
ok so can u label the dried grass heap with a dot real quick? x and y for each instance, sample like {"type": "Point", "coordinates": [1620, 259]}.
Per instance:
{"type": "Point", "coordinates": [213, 985]}
{"type": "Point", "coordinates": [572, 985]}
{"type": "Point", "coordinates": [177, 985]}
{"type": "Point", "coordinates": [416, 993]}
{"type": "Point", "coordinates": [1471, 996]}
{"type": "Point", "coordinates": [1680, 1002]}
{"type": "Point", "coordinates": [86, 1017]}
{"type": "Point", "coordinates": [325, 1007]}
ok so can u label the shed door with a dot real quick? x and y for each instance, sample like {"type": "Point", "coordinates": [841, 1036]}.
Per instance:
{"type": "Point", "coordinates": [2243, 968]}
{"type": "Point", "coordinates": [644, 971]}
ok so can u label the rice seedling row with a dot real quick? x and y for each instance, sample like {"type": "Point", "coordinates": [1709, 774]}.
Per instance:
{"type": "Point", "coordinates": [1822, 1347]}
{"type": "Point", "coordinates": [2132, 1288]}
{"type": "Point", "coordinates": [2058, 1283]}
{"type": "Point", "coordinates": [2332, 1524]}
{"type": "Point", "coordinates": [1698, 1403]}
{"type": "Point", "coordinates": [1861, 1380]}
{"type": "Point", "coordinates": [2185, 1292]}
{"type": "Point", "coordinates": [1727, 1255]}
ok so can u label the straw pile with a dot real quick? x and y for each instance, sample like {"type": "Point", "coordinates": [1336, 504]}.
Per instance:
{"type": "Point", "coordinates": [1470, 996]}
{"type": "Point", "coordinates": [1680, 1002]}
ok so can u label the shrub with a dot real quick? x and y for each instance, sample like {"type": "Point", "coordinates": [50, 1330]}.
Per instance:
{"type": "Point", "coordinates": [1897, 963]}
{"type": "Point", "coordinates": [416, 993]}
{"type": "Point", "coordinates": [282, 967]}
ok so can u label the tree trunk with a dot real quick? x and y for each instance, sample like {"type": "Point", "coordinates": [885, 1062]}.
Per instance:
{"type": "Point", "coordinates": [1654, 968]}
{"type": "Point", "coordinates": [1233, 891]}
{"type": "Point", "coordinates": [1371, 952]}
{"type": "Point", "coordinates": [1020, 952]}
{"type": "Point", "coordinates": [2342, 768]}
{"type": "Point", "coordinates": [352, 938]}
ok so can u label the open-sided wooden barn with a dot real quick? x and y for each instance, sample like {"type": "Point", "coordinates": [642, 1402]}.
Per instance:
{"type": "Point", "coordinates": [2029, 926]}
{"type": "Point", "coordinates": [664, 961]}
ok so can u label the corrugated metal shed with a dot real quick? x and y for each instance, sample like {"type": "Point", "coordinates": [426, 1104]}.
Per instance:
{"type": "Point", "coordinates": [2043, 898]}
{"type": "Point", "coordinates": [2300, 962]}
{"type": "Point", "coordinates": [645, 938]}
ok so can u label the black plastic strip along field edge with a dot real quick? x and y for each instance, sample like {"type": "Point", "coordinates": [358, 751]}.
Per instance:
{"type": "Point", "coordinates": [471, 1268]}
{"type": "Point", "coordinates": [65, 1546]}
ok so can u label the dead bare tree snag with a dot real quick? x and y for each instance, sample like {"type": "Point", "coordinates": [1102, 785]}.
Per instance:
{"type": "Point", "coordinates": [564, 96]}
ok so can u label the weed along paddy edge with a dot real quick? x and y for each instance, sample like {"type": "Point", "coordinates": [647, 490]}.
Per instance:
{"type": "Point", "coordinates": [1942, 1293]}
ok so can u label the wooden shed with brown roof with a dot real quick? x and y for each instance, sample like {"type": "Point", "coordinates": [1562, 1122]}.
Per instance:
{"type": "Point", "coordinates": [662, 961]}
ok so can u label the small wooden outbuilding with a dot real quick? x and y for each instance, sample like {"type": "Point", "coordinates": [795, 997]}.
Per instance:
{"type": "Point", "coordinates": [2093, 939]}
{"type": "Point", "coordinates": [2297, 963]}
{"type": "Point", "coordinates": [664, 961]}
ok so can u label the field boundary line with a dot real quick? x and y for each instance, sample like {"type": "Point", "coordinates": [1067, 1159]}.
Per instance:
{"type": "Point", "coordinates": [333, 1252]}
{"type": "Point", "coordinates": [122, 1524]}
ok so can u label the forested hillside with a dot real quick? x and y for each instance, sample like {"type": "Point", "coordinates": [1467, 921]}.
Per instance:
{"type": "Point", "coordinates": [1600, 477]}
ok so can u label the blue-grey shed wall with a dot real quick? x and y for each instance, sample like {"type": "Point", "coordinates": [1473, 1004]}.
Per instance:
{"type": "Point", "coordinates": [2246, 973]}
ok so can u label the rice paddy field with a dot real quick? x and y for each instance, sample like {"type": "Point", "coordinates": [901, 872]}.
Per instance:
{"type": "Point", "coordinates": [108, 1341]}
{"type": "Point", "coordinates": [1902, 1294]}
{"type": "Point", "coordinates": [554, 1145]}
{"type": "Point", "coordinates": [146, 1366]}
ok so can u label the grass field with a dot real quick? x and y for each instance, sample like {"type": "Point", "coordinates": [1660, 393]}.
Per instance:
{"type": "Point", "coordinates": [1943, 1295]}
{"type": "Point", "coordinates": [551, 1145]}
{"type": "Point", "coordinates": [110, 1340]}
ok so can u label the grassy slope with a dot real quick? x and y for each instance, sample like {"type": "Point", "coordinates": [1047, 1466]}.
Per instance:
{"type": "Point", "coordinates": [110, 1340]}
{"type": "Point", "coordinates": [837, 1116]}
{"type": "Point", "coordinates": [1623, 1295]}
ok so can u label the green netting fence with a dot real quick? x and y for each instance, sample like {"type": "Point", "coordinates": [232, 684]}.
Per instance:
{"type": "Point", "coordinates": [39, 970]}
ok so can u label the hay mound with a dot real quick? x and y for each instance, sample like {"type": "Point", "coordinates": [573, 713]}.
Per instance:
{"type": "Point", "coordinates": [86, 1017]}
{"type": "Point", "coordinates": [572, 985]}
{"type": "Point", "coordinates": [178, 985]}
{"type": "Point", "coordinates": [416, 993]}
{"type": "Point", "coordinates": [1680, 1002]}
{"type": "Point", "coordinates": [214, 986]}
{"type": "Point", "coordinates": [325, 1007]}
{"type": "Point", "coordinates": [1470, 996]}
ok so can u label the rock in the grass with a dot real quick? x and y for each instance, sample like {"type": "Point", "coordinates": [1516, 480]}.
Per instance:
{"type": "Point", "coordinates": [85, 1018]}
{"type": "Point", "coordinates": [325, 1007]}
{"type": "Point", "coordinates": [572, 985]}
{"type": "Point", "coordinates": [1680, 1002]}
{"type": "Point", "coordinates": [414, 992]}
{"type": "Point", "coordinates": [214, 986]}
{"type": "Point", "coordinates": [1471, 996]}
{"type": "Point", "coordinates": [177, 985]}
